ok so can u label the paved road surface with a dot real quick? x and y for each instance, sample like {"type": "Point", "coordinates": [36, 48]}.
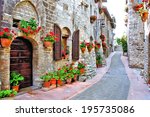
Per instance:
{"type": "Point", "coordinates": [113, 86]}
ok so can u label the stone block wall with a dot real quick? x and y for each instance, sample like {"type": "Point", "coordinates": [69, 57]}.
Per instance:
{"type": "Point", "coordinates": [147, 49]}
{"type": "Point", "coordinates": [67, 13]}
{"type": "Point", "coordinates": [42, 58]}
{"type": "Point", "coordinates": [135, 39]}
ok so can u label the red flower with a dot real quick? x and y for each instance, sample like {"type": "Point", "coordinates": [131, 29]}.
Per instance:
{"type": "Point", "coordinates": [57, 39]}
{"type": "Point", "coordinates": [59, 69]}
{"type": "Point", "coordinates": [144, 0]}
{"type": "Point", "coordinates": [1, 33]}
{"type": "Point", "coordinates": [6, 30]}
{"type": "Point", "coordinates": [52, 33]}
{"type": "Point", "coordinates": [25, 30]}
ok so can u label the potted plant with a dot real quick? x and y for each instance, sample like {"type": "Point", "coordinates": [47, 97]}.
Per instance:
{"type": "Point", "coordinates": [29, 28]}
{"type": "Point", "coordinates": [83, 46]}
{"type": "Point", "coordinates": [93, 18]}
{"type": "Point", "coordinates": [81, 67]}
{"type": "Point", "coordinates": [54, 79]}
{"type": "Point", "coordinates": [6, 37]}
{"type": "Point", "coordinates": [46, 78]}
{"type": "Point", "coordinates": [98, 60]}
{"type": "Point", "coordinates": [69, 77]}
{"type": "Point", "coordinates": [97, 46]}
{"type": "Point", "coordinates": [15, 78]}
{"type": "Point", "coordinates": [62, 75]}
{"type": "Point", "coordinates": [137, 7]}
{"type": "Point", "coordinates": [75, 72]}
{"type": "Point", "coordinates": [90, 46]}
{"type": "Point", "coordinates": [102, 37]}
{"type": "Point", "coordinates": [144, 16]}
{"type": "Point", "coordinates": [49, 39]}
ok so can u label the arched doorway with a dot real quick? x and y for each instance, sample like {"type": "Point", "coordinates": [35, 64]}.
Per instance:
{"type": "Point", "coordinates": [21, 60]}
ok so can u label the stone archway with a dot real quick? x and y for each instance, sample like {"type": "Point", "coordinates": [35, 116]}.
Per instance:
{"type": "Point", "coordinates": [25, 10]}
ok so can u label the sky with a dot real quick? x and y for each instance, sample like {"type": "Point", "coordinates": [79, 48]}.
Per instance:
{"type": "Point", "coordinates": [117, 8]}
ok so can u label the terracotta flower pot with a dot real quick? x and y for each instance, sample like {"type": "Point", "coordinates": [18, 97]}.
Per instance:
{"type": "Point", "coordinates": [144, 16]}
{"type": "Point", "coordinates": [60, 82]}
{"type": "Point", "coordinates": [5, 42]}
{"type": "Point", "coordinates": [15, 88]}
{"type": "Point", "coordinates": [75, 77]}
{"type": "Point", "coordinates": [47, 44]}
{"type": "Point", "coordinates": [82, 71]}
{"type": "Point", "coordinates": [53, 81]}
{"type": "Point", "coordinates": [98, 65]}
{"type": "Point", "coordinates": [83, 50]}
{"type": "Point", "coordinates": [46, 84]}
{"type": "Point", "coordinates": [89, 49]}
{"type": "Point", "coordinates": [69, 80]}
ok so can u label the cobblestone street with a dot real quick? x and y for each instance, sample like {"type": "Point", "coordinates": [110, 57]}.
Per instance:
{"type": "Point", "coordinates": [113, 86]}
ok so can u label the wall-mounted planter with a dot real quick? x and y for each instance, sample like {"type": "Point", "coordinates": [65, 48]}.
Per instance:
{"type": "Point", "coordinates": [93, 18]}
{"type": "Point", "coordinates": [5, 42]}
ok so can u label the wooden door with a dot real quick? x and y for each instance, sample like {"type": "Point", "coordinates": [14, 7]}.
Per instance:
{"type": "Point", "coordinates": [21, 60]}
{"type": "Point", "coordinates": [75, 46]}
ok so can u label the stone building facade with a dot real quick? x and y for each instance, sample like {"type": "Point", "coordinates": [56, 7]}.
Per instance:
{"type": "Point", "coordinates": [135, 35]}
{"type": "Point", "coordinates": [67, 18]}
{"type": "Point", "coordinates": [138, 31]}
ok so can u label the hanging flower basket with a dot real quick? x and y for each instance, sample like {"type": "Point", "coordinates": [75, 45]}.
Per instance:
{"type": "Point", "coordinates": [102, 37]}
{"type": "Point", "coordinates": [83, 50]}
{"type": "Point", "coordinates": [49, 39]}
{"type": "Point", "coordinates": [96, 1]}
{"type": "Point", "coordinates": [47, 44]}
{"type": "Point", "coordinates": [144, 16]}
{"type": "Point", "coordinates": [137, 7]}
{"type": "Point", "coordinates": [90, 46]}
{"type": "Point", "coordinates": [83, 46]}
{"type": "Point", "coordinates": [6, 37]}
{"type": "Point", "coordinates": [93, 18]}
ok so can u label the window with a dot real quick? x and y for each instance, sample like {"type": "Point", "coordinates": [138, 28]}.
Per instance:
{"type": "Point", "coordinates": [57, 44]}
{"type": "Point", "coordinates": [75, 46]}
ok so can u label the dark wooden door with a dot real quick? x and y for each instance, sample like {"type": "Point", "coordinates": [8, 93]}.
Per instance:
{"type": "Point", "coordinates": [75, 46]}
{"type": "Point", "coordinates": [21, 60]}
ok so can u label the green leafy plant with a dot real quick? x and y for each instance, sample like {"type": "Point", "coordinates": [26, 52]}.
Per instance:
{"type": "Point", "coordinates": [62, 74]}
{"type": "Point", "coordinates": [46, 77]}
{"type": "Point", "coordinates": [6, 33]}
{"type": "Point", "coordinates": [81, 65]}
{"type": "Point", "coordinates": [7, 93]}
{"type": "Point", "coordinates": [83, 44]}
{"type": "Point", "coordinates": [51, 37]}
{"type": "Point", "coordinates": [29, 27]}
{"type": "Point", "coordinates": [99, 59]}
{"type": "Point", "coordinates": [123, 42]}
{"type": "Point", "coordinates": [15, 78]}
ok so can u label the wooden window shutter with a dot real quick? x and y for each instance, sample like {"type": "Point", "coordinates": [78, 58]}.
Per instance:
{"type": "Point", "coordinates": [57, 44]}
{"type": "Point", "coordinates": [75, 46]}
